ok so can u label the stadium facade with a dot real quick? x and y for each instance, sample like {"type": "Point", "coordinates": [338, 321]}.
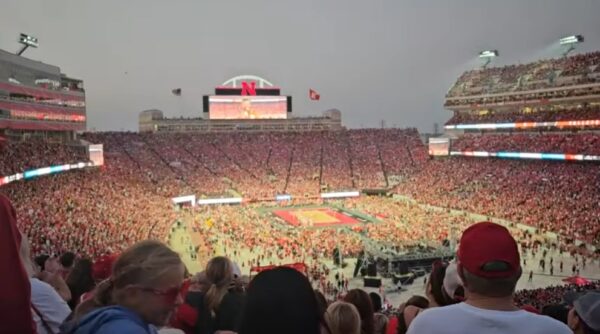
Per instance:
{"type": "Point", "coordinates": [154, 121]}
{"type": "Point", "coordinates": [554, 95]}
{"type": "Point", "coordinates": [37, 99]}
{"type": "Point", "coordinates": [541, 90]}
{"type": "Point", "coordinates": [245, 103]}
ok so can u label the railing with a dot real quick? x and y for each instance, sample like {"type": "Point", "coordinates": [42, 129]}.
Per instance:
{"type": "Point", "coordinates": [43, 92]}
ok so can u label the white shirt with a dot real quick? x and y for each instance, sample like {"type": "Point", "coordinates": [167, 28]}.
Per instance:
{"type": "Point", "coordinates": [52, 307]}
{"type": "Point", "coordinates": [466, 319]}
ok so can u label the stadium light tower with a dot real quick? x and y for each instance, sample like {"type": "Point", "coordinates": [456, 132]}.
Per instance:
{"type": "Point", "coordinates": [487, 56]}
{"type": "Point", "coordinates": [27, 41]}
{"type": "Point", "coordinates": [570, 42]}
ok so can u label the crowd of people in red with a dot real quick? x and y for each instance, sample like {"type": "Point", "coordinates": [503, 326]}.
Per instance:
{"type": "Point", "coordinates": [100, 212]}
{"type": "Point", "coordinates": [93, 211]}
{"type": "Point", "coordinates": [103, 212]}
{"type": "Point", "coordinates": [553, 196]}
{"type": "Point", "coordinates": [551, 142]}
{"type": "Point", "coordinates": [147, 289]}
{"type": "Point", "coordinates": [262, 165]}
{"type": "Point", "coordinates": [128, 198]}
{"type": "Point", "coordinates": [18, 157]}
{"type": "Point", "coordinates": [540, 74]}
{"type": "Point", "coordinates": [588, 113]}
{"type": "Point", "coordinates": [553, 295]}
{"type": "Point", "coordinates": [246, 231]}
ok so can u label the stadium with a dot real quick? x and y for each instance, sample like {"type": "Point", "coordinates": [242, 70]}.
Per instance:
{"type": "Point", "coordinates": [375, 210]}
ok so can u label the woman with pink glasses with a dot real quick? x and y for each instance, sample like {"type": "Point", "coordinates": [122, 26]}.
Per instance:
{"type": "Point", "coordinates": [140, 295]}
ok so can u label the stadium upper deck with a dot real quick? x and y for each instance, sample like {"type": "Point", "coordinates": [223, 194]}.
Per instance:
{"type": "Point", "coordinates": [37, 97]}
{"type": "Point", "coordinates": [548, 94]}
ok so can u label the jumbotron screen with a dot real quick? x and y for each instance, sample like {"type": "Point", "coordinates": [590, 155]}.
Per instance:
{"type": "Point", "coordinates": [247, 107]}
{"type": "Point", "coordinates": [439, 146]}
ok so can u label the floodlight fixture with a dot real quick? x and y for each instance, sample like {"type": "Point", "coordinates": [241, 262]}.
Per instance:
{"type": "Point", "coordinates": [27, 41]}
{"type": "Point", "coordinates": [488, 54]}
{"type": "Point", "coordinates": [571, 40]}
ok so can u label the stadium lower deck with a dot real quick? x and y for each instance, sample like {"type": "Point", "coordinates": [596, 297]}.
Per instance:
{"type": "Point", "coordinates": [332, 217]}
{"type": "Point", "coordinates": [129, 199]}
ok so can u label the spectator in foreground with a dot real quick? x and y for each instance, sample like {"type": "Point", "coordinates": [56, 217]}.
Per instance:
{"type": "Point", "coordinates": [49, 308]}
{"type": "Point", "coordinates": [102, 267]}
{"type": "Point", "coordinates": [141, 293]}
{"type": "Point", "coordinates": [321, 302]}
{"type": "Point", "coordinates": [452, 288]}
{"type": "Point", "coordinates": [343, 318]}
{"type": "Point", "coordinates": [400, 323]}
{"type": "Point", "coordinates": [380, 320]}
{"type": "Point", "coordinates": [362, 301]}
{"type": "Point", "coordinates": [80, 281]}
{"type": "Point", "coordinates": [67, 261]}
{"type": "Point", "coordinates": [489, 267]}
{"type": "Point", "coordinates": [101, 270]}
{"type": "Point", "coordinates": [444, 286]}
{"type": "Point", "coordinates": [40, 261]}
{"type": "Point", "coordinates": [434, 288]}
{"type": "Point", "coordinates": [584, 317]}
{"type": "Point", "coordinates": [199, 282]}
{"type": "Point", "coordinates": [418, 301]}
{"type": "Point", "coordinates": [406, 314]}
{"type": "Point", "coordinates": [559, 312]}
{"type": "Point", "coordinates": [53, 275]}
{"type": "Point", "coordinates": [15, 289]}
{"type": "Point", "coordinates": [220, 307]}
{"type": "Point", "coordinates": [281, 300]}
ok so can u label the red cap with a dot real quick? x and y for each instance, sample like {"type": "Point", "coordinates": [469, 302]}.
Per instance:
{"type": "Point", "coordinates": [102, 268]}
{"type": "Point", "coordinates": [488, 250]}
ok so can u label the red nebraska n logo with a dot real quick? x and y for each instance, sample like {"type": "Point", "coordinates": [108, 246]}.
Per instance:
{"type": "Point", "coordinates": [248, 88]}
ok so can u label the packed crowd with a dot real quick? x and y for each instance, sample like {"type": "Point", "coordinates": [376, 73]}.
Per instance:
{"type": "Point", "coordinates": [17, 157]}
{"type": "Point", "coordinates": [262, 165]}
{"type": "Point", "coordinates": [575, 114]}
{"type": "Point", "coordinates": [551, 142]}
{"type": "Point", "coordinates": [99, 211]}
{"type": "Point", "coordinates": [128, 199]}
{"type": "Point", "coordinates": [554, 295]}
{"type": "Point", "coordinates": [518, 98]}
{"type": "Point", "coordinates": [91, 211]}
{"type": "Point", "coordinates": [146, 288]}
{"type": "Point", "coordinates": [535, 75]}
{"type": "Point", "coordinates": [103, 212]}
{"type": "Point", "coordinates": [249, 230]}
{"type": "Point", "coordinates": [552, 196]}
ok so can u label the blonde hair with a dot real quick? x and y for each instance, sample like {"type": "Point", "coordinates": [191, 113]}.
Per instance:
{"type": "Point", "coordinates": [381, 322]}
{"type": "Point", "coordinates": [343, 318]}
{"type": "Point", "coordinates": [219, 273]}
{"type": "Point", "coordinates": [143, 263]}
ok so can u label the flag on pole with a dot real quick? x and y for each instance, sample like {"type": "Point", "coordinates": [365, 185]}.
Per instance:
{"type": "Point", "coordinates": [314, 95]}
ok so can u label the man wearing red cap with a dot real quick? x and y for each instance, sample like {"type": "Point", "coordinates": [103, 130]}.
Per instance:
{"type": "Point", "coordinates": [489, 266]}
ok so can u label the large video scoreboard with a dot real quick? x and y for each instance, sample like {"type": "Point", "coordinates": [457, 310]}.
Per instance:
{"type": "Point", "coordinates": [247, 107]}
{"type": "Point", "coordinates": [247, 102]}
{"type": "Point", "coordinates": [439, 146]}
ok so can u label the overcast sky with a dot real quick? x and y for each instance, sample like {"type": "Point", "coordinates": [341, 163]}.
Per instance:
{"type": "Point", "coordinates": [374, 60]}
